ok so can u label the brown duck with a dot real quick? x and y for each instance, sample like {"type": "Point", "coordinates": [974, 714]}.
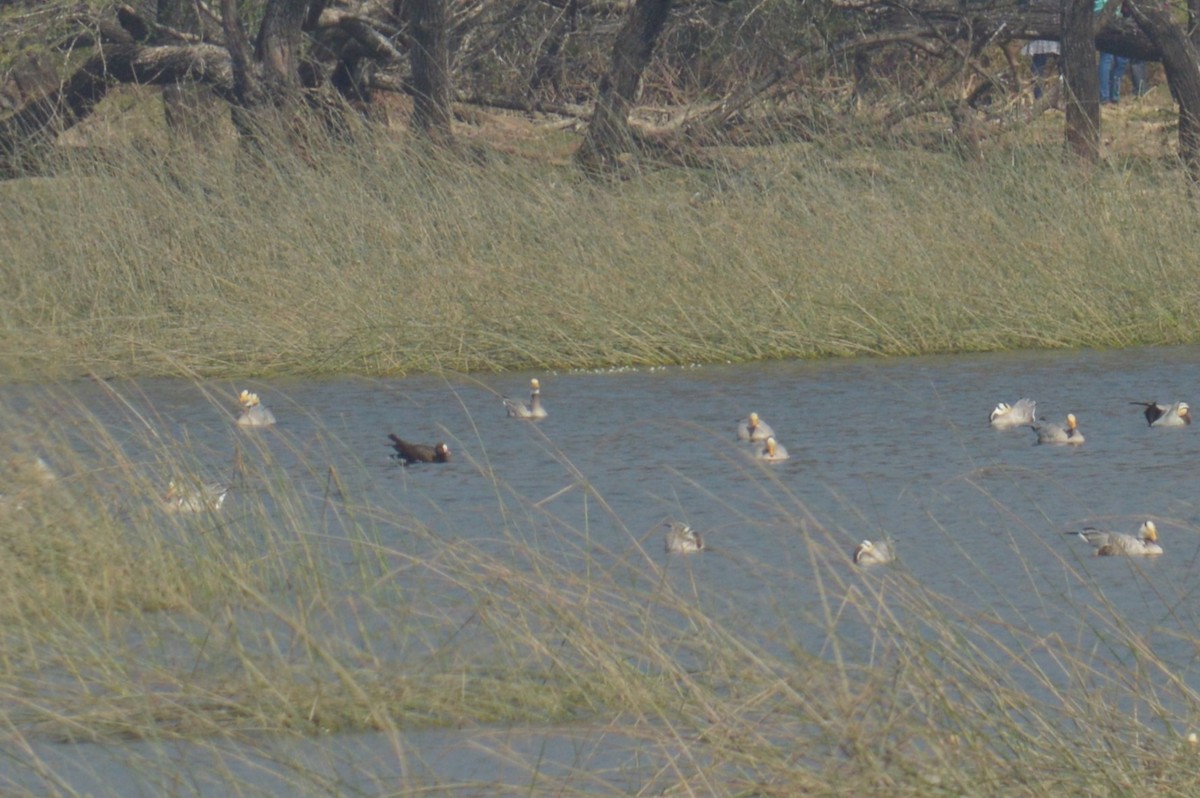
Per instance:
{"type": "Point", "coordinates": [418, 452]}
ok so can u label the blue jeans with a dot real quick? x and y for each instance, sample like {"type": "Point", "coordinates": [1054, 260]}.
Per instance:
{"type": "Point", "coordinates": [1112, 70]}
{"type": "Point", "coordinates": [1137, 75]}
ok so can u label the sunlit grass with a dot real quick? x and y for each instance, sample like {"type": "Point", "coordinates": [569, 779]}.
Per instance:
{"type": "Point", "coordinates": [305, 610]}
{"type": "Point", "coordinates": [386, 260]}
{"type": "Point", "coordinates": [296, 613]}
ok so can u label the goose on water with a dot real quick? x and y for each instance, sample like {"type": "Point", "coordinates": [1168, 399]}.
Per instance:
{"type": "Point", "coordinates": [1116, 544]}
{"type": "Point", "coordinates": [518, 409]}
{"type": "Point", "coordinates": [682, 539]}
{"type": "Point", "coordinates": [1057, 433]}
{"type": "Point", "coordinates": [254, 413]}
{"type": "Point", "coordinates": [1018, 414]}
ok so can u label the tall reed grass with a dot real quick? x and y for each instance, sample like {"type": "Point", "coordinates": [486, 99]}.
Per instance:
{"type": "Point", "coordinates": [385, 259]}
{"type": "Point", "coordinates": [248, 651]}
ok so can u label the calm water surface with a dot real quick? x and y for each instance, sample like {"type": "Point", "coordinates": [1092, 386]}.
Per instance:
{"type": "Point", "coordinates": [879, 448]}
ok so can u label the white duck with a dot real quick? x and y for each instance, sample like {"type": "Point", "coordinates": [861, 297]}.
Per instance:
{"type": "Point", "coordinates": [1173, 415]}
{"type": "Point", "coordinates": [682, 539]}
{"type": "Point", "coordinates": [1057, 433]}
{"type": "Point", "coordinates": [870, 553]}
{"type": "Point", "coordinates": [254, 414]}
{"type": "Point", "coordinates": [26, 476]}
{"type": "Point", "coordinates": [773, 452]}
{"type": "Point", "coordinates": [753, 428]}
{"type": "Point", "coordinates": [1116, 544]}
{"type": "Point", "coordinates": [1018, 414]}
{"type": "Point", "coordinates": [518, 409]}
{"type": "Point", "coordinates": [194, 500]}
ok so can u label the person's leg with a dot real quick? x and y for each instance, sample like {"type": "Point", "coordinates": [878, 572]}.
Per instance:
{"type": "Point", "coordinates": [1106, 65]}
{"type": "Point", "coordinates": [1118, 74]}
{"type": "Point", "coordinates": [1137, 76]}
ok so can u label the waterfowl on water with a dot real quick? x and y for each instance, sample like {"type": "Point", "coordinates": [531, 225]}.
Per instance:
{"type": "Point", "coordinates": [194, 500]}
{"type": "Point", "coordinates": [1119, 544]}
{"type": "Point", "coordinates": [518, 409]}
{"type": "Point", "coordinates": [30, 470]}
{"type": "Point", "coordinates": [870, 553]}
{"type": "Point", "coordinates": [753, 428]}
{"type": "Point", "coordinates": [26, 476]}
{"type": "Point", "coordinates": [1159, 415]}
{"type": "Point", "coordinates": [682, 539]}
{"type": "Point", "coordinates": [1018, 414]}
{"type": "Point", "coordinates": [1056, 433]}
{"type": "Point", "coordinates": [254, 414]}
{"type": "Point", "coordinates": [419, 452]}
{"type": "Point", "coordinates": [773, 452]}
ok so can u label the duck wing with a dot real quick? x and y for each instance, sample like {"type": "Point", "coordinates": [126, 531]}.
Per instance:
{"type": "Point", "coordinates": [1153, 411]}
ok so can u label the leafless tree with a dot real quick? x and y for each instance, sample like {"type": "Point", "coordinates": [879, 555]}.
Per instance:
{"type": "Point", "coordinates": [1081, 79]}
{"type": "Point", "coordinates": [429, 55]}
{"type": "Point", "coordinates": [609, 134]}
{"type": "Point", "coordinates": [738, 74]}
{"type": "Point", "coordinates": [274, 77]}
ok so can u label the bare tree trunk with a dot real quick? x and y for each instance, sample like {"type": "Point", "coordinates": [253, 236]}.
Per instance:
{"type": "Point", "coordinates": [269, 81]}
{"type": "Point", "coordinates": [193, 113]}
{"type": "Point", "coordinates": [548, 68]}
{"type": "Point", "coordinates": [26, 135]}
{"type": "Point", "coordinates": [278, 46]}
{"type": "Point", "coordinates": [1081, 80]}
{"type": "Point", "coordinates": [609, 134]}
{"type": "Point", "coordinates": [429, 56]}
{"type": "Point", "coordinates": [1182, 66]}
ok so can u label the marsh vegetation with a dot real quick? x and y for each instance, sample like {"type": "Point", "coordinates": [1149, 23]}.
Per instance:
{"type": "Point", "coordinates": [304, 609]}
{"type": "Point", "coordinates": [399, 261]}
{"type": "Point", "coordinates": [329, 603]}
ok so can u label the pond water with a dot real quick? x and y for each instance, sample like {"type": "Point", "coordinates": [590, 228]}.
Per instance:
{"type": "Point", "coordinates": [896, 449]}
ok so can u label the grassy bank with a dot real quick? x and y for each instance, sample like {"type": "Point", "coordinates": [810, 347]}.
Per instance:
{"type": "Point", "coordinates": [299, 614]}
{"type": "Point", "coordinates": [385, 261]}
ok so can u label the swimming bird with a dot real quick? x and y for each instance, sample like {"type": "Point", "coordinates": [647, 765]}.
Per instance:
{"type": "Point", "coordinates": [254, 414]}
{"type": "Point", "coordinates": [1115, 544]}
{"type": "Point", "coordinates": [1158, 415]}
{"type": "Point", "coordinates": [682, 539]}
{"type": "Point", "coordinates": [1056, 433]}
{"type": "Point", "coordinates": [195, 500]}
{"type": "Point", "coordinates": [419, 452]}
{"type": "Point", "coordinates": [26, 477]}
{"type": "Point", "coordinates": [30, 470]}
{"type": "Point", "coordinates": [773, 452]}
{"type": "Point", "coordinates": [754, 428]}
{"type": "Point", "coordinates": [1019, 414]}
{"type": "Point", "coordinates": [869, 553]}
{"type": "Point", "coordinates": [518, 409]}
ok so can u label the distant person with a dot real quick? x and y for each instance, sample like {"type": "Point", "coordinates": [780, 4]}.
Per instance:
{"type": "Point", "coordinates": [1112, 69]}
{"type": "Point", "coordinates": [1137, 67]}
{"type": "Point", "coordinates": [1112, 72]}
{"type": "Point", "coordinates": [1040, 52]}
{"type": "Point", "coordinates": [1137, 75]}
